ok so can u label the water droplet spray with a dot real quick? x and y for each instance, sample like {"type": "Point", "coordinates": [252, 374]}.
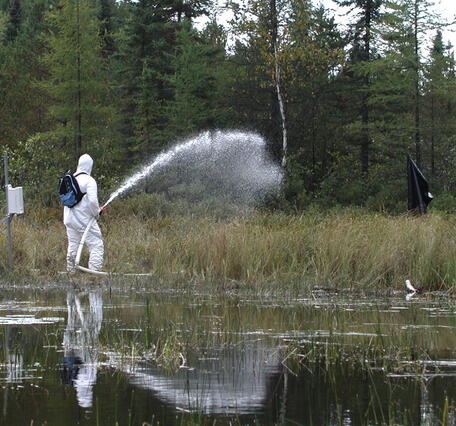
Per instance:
{"type": "Point", "coordinates": [240, 157]}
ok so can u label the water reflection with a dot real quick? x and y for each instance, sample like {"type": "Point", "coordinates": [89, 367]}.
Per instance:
{"type": "Point", "coordinates": [80, 342]}
{"type": "Point", "coordinates": [356, 362]}
{"type": "Point", "coordinates": [225, 380]}
{"type": "Point", "coordinates": [13, 356]}
{"type": "Point", "coordinates": [14, 361]}
{"type": "Point", "coordinates": [230, 381]}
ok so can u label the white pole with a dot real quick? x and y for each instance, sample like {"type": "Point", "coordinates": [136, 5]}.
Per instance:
{"type": "Point", "coordinates": [8, 215]}
{"type": "Point", "coordinates": [81, 243]}
{"type": "Point", "coordinates": [79, 252]}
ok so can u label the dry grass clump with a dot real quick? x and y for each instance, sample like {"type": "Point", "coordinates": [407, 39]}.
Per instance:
{"type": "Point", "coordinates": [348, 248]}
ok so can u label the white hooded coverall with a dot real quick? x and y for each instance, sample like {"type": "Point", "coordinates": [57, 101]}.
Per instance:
{"type": "Point", "coordinates": [76, 218]}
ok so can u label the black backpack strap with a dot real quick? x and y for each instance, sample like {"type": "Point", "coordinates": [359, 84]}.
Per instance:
{"type": "Point", "coordinates": [80, 194]}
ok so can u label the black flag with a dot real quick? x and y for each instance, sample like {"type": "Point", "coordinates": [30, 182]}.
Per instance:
{"type": "Point", "coordinates": [418, 189]}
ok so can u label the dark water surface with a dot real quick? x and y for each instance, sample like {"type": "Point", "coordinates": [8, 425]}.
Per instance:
{"type": "Point", "coordinates": [107, 357]}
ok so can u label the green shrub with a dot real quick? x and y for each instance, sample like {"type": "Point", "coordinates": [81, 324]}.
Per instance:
{"type": "Point", "coordinates": [445, 202]}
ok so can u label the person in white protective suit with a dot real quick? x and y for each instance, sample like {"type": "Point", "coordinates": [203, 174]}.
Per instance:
{"type": "Point", "coordinates": [77, 218]}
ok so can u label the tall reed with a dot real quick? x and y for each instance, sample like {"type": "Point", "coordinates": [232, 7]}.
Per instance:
{"type": "Point", "coordinates": [346, 248]}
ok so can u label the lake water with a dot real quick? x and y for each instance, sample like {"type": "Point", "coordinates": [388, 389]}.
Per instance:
{"type": "Point", "coordinates": [104, 356]}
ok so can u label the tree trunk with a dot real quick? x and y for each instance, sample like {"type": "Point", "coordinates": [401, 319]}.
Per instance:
{"type": "Point", "coordinates": [432, 135]}
{"type": "Point", "coordinates": [281, 151]}
{"type": "Point", "coordinates": [417, 89]}
{"type": "Point", "coordinates": [365, 141]}
{"type": "Point", "coordinates": [282, 111]}
{"type": "Point", "coordinates": [274, 127]}
{"type": "Point", "coordinates": [78, 138]}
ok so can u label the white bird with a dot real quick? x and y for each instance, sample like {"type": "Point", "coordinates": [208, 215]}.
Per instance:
{"type": "Point", "coordinates": [410, 287]}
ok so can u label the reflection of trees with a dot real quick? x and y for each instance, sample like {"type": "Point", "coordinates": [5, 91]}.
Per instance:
{"type": "Point", "coordinates": [80, 342]}
{"type": "Point", "coordinates": [229, 381]}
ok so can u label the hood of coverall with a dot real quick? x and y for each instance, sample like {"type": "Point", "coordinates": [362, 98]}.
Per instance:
{"type": "Point", "coordinates": [85, 164]}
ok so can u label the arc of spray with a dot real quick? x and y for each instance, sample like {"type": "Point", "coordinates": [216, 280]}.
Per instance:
{"type": "Point", "coordinates": [161, 159]}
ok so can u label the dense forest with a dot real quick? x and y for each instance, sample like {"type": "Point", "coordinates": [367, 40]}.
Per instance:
{"type": "Point", "coordinates": [339, 105]}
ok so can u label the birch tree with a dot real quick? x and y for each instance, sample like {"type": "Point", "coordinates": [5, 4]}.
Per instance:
{"type": "Point", "coordinates": [262, 23]}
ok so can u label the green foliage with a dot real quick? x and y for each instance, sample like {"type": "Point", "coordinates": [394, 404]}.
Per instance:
{"type": "Point", "coordinates": [439, 95]}
{"type": "Point", "coordinates": [194, 83]}
{"type": "Point", "coordinates": [39, 161]}
{"type": "Point", "coordinates": [444, 202]}
{"type": "Point", "coordinates": [22, 103]}
{"type": "Point", "coordinates": [123, 80]}
{"type": "Point", "coordinates": [360, 56]}
{"type": "Point", "coordinates": [76, 78]}
{"type": "Point", "coordinates": [36, 164]}
{"type": "Point", "coordinates": [142, 64]}
{"type": "Point", "coordinates": [14, 21]}
{"type": "Point", "coordinates": [3, 26]}
{"type": "Point", "coordinates": [389, 198]}
{"type": "Point", "coordinates": [345, 184]}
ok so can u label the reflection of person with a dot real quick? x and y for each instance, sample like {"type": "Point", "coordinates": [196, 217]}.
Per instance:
{"type": "Point", "coordinates": [14, 361]}
{"type": "Point", "coordinates": [77, 218]}
{"type": "Point", "coordinates": [80, 340]}
{"type": "Point", "coordinates": [14, 358]}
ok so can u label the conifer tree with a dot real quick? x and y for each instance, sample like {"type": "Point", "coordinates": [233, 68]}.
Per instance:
{"type": "Point", "coordinates": [261, 22]}
{"type": "Point", "coordinates": [22, 103]}
{"type": "Point", "coordinates": [146, 69]}
{"type": "Point", "coordinates": [407, 22]}
{"type": "Point", "coordinates": [439, 106]}
{"type": "Point", "coordinates": [76, 80]}
{"type": "Point", "coordinates": [315, 52]}
{"type": "Point", "coordinates": [15, 18]}
{"type": "Point", "coordinates": [105, 15]}
{"type": "Point", "coordinates": [190, 9]}
{"type": "Point", "coordinates": [362, 52]}
{"type": "Point", "coordinates": [194, 82]}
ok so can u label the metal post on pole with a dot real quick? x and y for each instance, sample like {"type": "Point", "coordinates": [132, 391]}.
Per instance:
{"type": "Point", "coordinates": [8, 215]}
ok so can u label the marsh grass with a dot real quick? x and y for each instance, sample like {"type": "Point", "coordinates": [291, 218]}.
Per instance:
{"type": "Point", "coordinates": [340, 249]}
